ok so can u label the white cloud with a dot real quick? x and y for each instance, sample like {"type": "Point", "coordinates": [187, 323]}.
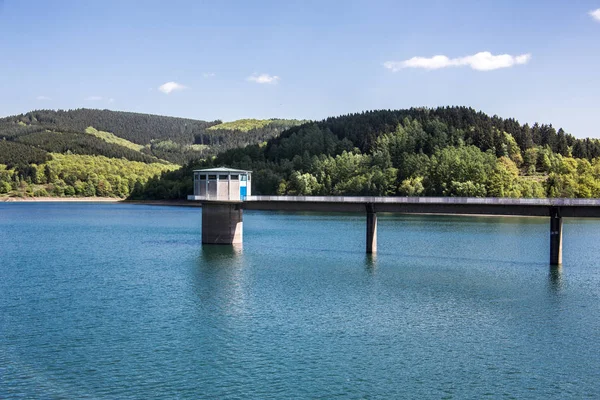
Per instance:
{"type": "Point", "coordinates": [207, 75]}
{"type": "Point", "coordinates": [94, 98]}
{"type": "Point", "coordinates": [483, 61]}
{"type": "Point", "coordinates": [264, 78]}
{"type": "Point", "coordinates": [111, 100]}
{"type": "Point", "coordinates": [595, 14]}
{"type": "Point", "coordinates": [169, 87]}
{"type": "Point", "coordinates": [42, 98]}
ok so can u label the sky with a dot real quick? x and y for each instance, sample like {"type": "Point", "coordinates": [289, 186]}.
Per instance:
{"type": "Point", "coordinates": [530, 60]}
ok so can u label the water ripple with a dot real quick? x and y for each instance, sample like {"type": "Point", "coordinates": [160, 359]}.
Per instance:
{"type": "Point", "coordinates": [121, 301]}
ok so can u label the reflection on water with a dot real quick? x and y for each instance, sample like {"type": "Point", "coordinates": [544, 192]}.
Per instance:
{"type": "Point", "coordinates": [220, 272]}
{"type": "Point", "coordinates": [556, 277]}
{"type": "Point", "coordinates": [371, 262]}
{"type": "Point", "coordinates": [213, 252]}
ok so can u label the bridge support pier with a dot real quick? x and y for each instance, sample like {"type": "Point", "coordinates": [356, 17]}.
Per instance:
{"type": "Point", "coordinates": [555, 236]}
{"type": "Point", "coordinates": [371, 229]}
{"type": "Point", "coordinates": [222, 223]}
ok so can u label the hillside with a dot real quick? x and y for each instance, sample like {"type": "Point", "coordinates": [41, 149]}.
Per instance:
{"type": "Point", "coordinates": [242, 125]}
{"type": "Point", "coordinates": [134, 127]}
{"type": "Point", "coordinates": [112, 138]}
{"type": "Point", "coordinates": [78, 176]}
{"type": "Point", "coordinates": [240, 133]}
{"type": "Point", "coordinates": [33, 142]}
{"type": "Point", "coordinates": [451, 151]}
{"type": "Point", "coordinates": [245, 125]}
{"type": "Point", "coordinates": [143, 137]}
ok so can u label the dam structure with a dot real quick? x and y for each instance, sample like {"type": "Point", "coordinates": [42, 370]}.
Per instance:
{"type": "Point", "coordinates": [222, 218]}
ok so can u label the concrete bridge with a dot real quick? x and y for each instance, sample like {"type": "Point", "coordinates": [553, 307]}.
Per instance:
{"type": "Point", "coordinates": [222, 221]}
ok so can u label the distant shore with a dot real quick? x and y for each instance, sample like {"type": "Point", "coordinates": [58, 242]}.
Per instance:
{"type": "Point", "coordinates": [181, 203]}
{"type": "Point", "coordinates": [60, 199]}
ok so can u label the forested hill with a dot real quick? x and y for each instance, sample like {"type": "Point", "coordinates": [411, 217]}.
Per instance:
{"type": "Point", "coordinates": [177, 140]}
{"type": "Point", "coordinates": [450, 151]}
{"type": "Point", "coordinates": [135, 127]}
{"type": "Point", "coordinates": [100, 152]}
{"type": "Point", "coordinates": [239, 133]}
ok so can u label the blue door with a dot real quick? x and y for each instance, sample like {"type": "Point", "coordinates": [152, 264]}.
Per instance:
{"type": "Point", "coordinates": [243, 193]}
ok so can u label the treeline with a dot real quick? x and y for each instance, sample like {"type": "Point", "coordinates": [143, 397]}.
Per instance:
{"type": "Point", "coordinates": [135, 127]}
{"type": "Point", "coordinates": [78, 176]}
{"type": "Point", "coordinates": [451, 151]}
{"type": "Point", "coordinates": [444, 126]}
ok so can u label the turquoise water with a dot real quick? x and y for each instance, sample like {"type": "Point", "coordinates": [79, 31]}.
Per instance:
{"type": "Point", "coordinates": [121, 301]}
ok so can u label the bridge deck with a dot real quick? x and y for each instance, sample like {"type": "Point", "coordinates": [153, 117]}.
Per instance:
{"type": "Point", "coordinates": [220, 214]}
{"type": "Point", "coordinates": [589, 208]}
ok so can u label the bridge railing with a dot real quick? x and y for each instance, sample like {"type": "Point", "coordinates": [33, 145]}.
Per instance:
{"type": "Point", "coordinates": [552, 202]}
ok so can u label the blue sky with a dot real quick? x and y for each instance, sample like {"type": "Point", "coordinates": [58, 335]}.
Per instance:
{"type": "Point", "coordinates": [304, 59]}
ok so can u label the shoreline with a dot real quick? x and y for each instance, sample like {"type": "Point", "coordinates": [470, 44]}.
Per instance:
{"type": "Point", "coordinates": [58, 199]}
{"type": "Point", "coordinates": [113, 200]}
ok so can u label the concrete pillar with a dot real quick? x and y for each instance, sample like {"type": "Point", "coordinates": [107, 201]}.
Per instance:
{"type": "Point", "coordinates": [555, 236]}
{"type": "Point", "coordinates": [222, 223]}
{"type": "Point", "coordinates": [371, 229]}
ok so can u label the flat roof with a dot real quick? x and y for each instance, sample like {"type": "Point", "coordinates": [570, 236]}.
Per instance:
{"type": "Point", "coordinates": [222, 169]}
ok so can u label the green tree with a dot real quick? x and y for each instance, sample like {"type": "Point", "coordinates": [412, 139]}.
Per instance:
{"type": "Point", "coordinates": [455, 171]}
{"type": "Point", "coordinates": [303, 184]}
{"type": "Point", "coordinates": [104, 188]}
{"type": "Point", "coordinates": [412, 187]}
{"type": "Point", "coordinates": [90, 189]}
{"type": "Point", "coordinates": [503, 181]}
{"type": "Point", "coordinates": [5, 187]}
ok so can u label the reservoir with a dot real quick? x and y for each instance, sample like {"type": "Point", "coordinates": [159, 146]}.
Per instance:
{"type": "Point", "coordinates": [122, 301]}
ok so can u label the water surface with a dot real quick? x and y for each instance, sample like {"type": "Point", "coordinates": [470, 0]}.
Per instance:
{"type": "Point", "coordinates": [122, 301]}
